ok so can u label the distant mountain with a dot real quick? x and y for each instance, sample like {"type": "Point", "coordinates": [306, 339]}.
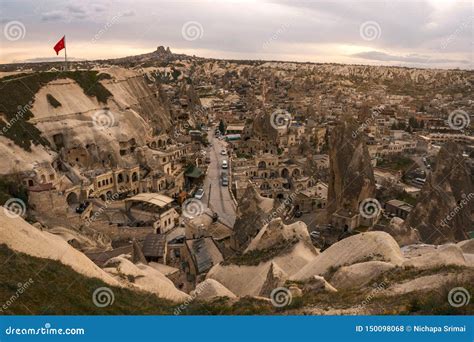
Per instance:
{"type": "Point", "coordinates": [49, 60]}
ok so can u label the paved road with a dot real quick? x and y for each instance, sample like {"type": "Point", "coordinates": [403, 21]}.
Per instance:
{"type": "Point", "coordinates": [220, 201]}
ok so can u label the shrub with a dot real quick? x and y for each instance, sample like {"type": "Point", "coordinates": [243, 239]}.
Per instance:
{"type": "Point", "coordinates": [52, 101]}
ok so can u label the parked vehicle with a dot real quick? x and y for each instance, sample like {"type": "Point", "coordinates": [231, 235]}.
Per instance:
{"type": "Point", "coordinates": [82, 207]}
{"type": "Point", "coordinates": [224, 164]}
{"type": "Point", "coordinates": [199, 194]}
{"type": "Point", "coordinates": [224, 179]}
{"type": "Point", "coordinates": [224, 152]}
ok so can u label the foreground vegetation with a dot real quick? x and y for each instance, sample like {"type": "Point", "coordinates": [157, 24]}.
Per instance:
{"type": "Point", "coordinates": [57, 289]}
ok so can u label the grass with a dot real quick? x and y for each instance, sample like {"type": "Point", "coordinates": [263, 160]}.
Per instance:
{"type": "Point", "coordinates": [400, 274]}
{"type": "Point", "coordinates": [255, 257]}
{"type": "Point", "coordinates": [17, 94]}
{"type": "Point", "coordinates": [398, 163]}
{"type": "Point", "coordinates": [10, 188]}
{"type": "Point", "coordinates": [405, 197]}
{"type": "Point", "coordinates": [56, 289]}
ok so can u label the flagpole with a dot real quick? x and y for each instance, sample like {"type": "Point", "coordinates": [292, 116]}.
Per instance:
{"type": "Point", "coordinates": [65, 53]}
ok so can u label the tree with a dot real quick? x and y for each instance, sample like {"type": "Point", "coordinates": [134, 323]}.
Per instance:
{"type": "Point", "coordinates": [413, 123]}
{"type": "Point", "coordinates": [222, 126]}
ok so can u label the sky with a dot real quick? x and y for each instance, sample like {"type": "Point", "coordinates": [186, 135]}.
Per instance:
{"type": "Point", "coordinates": [416, 33]}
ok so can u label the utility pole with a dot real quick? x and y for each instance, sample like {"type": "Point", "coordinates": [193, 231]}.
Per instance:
{"type": "Point", "coordinates": [209, 196]}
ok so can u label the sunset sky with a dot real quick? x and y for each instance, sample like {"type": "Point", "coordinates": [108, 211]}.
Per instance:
{"type": "Point", "coordinates": [431, 33]}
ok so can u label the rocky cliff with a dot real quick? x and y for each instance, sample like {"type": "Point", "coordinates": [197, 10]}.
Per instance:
{"type": "Point", "coordinates": [91, 111]}
{"type": "Point", "coordinates": [252, 212]}
{"type": "Point", "coordinates": [351, 177]}
{"type": "Point", "coordinates": [444, 210]}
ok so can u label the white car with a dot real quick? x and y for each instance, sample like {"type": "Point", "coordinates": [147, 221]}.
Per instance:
{"type": "Point", "coordinates": [224, 152]}
{"type": "Point", "coordinates": [224, 164]}
{"type": "Point", "coordinates": [199, 193]}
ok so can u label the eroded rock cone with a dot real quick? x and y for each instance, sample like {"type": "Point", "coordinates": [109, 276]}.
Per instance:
{"type": "Point", "coordinates": [137, 254]}
{"type": "Point", "coordinates": [443, 212]}
{"type": "Point", "coordinates": [351, 177]}
{"type": "Point", "coordinates": [252, 212]}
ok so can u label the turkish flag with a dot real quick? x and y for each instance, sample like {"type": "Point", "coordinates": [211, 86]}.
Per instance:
{"type": "Point", "coordinates": [60, 45]}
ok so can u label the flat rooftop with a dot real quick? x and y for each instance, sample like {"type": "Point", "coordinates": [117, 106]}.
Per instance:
{"type": "Point", "coordinates": [152, 198]}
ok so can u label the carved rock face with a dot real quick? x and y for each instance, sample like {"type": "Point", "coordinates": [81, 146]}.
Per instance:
{"type": "Point", "coordinates": [351, 177]}
{"type": "Point", "coordinates": [252, 211]}
{"type": "Point", "coordinates": [443, 212]}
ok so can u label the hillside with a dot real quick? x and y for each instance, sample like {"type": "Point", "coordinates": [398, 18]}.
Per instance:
{"type": "Point", "coordinates": [59, 290]}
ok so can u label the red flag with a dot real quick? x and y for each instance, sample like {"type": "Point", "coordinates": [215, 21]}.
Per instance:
{"type": "Point", "coordinates": [60, 45]}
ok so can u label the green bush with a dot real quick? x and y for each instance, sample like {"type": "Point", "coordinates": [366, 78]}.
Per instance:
{"type": "Point", "coordinates": [52, 101]}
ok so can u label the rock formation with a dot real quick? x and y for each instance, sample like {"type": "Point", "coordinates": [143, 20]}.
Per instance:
{"type": "Point", "coordinates": [401, 233]}
{"type": "Point", "coordinates": [144, 277]}
{"type": "Point", "coordinates": [359, 275]}
{"type": "Point", "coordinates": [276, 232]}
{"type": "Point", "coordinates": [351, 177]}
{"type": "Point", "coordinates": [251, 280]}
{"type": "Point", "coordinates": [444, 255]}
{"type": "Point", "coordinates": [355, 249]}
{"type": "Point", "coordinates": [22, 237]}
{"type": "Point", "coordinates": [444, 210]}
{"type": "Point", "coordinates": [137, 253]}
{"type": "Point", "coordinates": [252, 213]}
{"type": "Point", "coordinates": [276, 277]}
{"type": "Point", "coordinates": [210, 289]}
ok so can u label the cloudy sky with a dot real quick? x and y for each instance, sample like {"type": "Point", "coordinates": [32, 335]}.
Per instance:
{"type": "Point", "coordinates": [428, 33]}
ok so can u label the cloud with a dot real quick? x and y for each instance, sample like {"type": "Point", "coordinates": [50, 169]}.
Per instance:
{"type": "Point", "coordinates": [317, 31]}
{"type": "Point", "coordinates": [76, 11]}
{"type": "Point", "coordinates": [53, 16]}
{"type": "Point", "coordinates": [129, 13]}
{"type": "Point", "coordinates": [99, 8]}
{"type": "Point", "coordinates": [47, 59]}
{"type": "Point", "coordinates": [410, 58]}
